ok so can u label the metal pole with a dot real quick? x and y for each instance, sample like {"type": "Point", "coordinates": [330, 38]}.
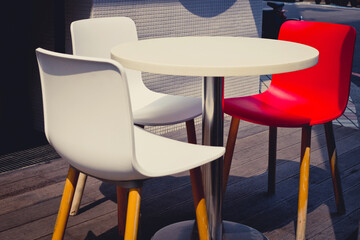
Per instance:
{"type": "Point", "coordinates": [213, 134]}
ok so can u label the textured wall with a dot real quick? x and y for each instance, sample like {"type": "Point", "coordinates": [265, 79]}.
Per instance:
{"type": "Point", "coordinates": [171, 18]}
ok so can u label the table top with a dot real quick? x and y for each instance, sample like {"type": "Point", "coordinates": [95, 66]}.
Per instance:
{"type": "Point", "coordinates": [214, 56]}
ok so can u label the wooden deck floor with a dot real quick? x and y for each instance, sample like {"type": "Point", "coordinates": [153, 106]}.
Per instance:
{"type": "Point", "coordinates": [29, 197]}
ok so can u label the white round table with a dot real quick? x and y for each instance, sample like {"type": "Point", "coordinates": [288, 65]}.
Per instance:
{"type": "Point", "coordinates": [213, 58]}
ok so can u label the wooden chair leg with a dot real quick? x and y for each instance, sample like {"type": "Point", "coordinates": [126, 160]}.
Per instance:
{"type": "Point", "coordinates": [122, 205]}
{"type": "Point", "coordinates": [199, 203]}
{"type": "Point", "coordinates": [272, 160]}
{"type": "Point", "coordinates": [122, 200]}
{"type": "Point", "coordinates": [65, 204]}
{"type": "Point", "coordinates": [197, 189]}
{"type": "Point", "coordinates": [191, 132]}
{"type": "Point", "coordinates": [133, 214]}
{"type": "Point", "coordinates": [335, 174]}
{"type": "Point", "coordinates": [303, 182]}
{"type": "Point", "coordinates": [229, 152]}
{"type": "Point", "coordinates": [80, 186]}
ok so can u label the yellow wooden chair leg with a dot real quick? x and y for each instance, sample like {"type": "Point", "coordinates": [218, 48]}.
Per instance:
{"type": "Point", "coordinates": [121, 206]}
{"type": "Point", "coordinates": [199, 203]}
{"type": "Point", "coordinates": [272, 160]}
{"type": "Point", "coordinates": [65, 204]}
{"type": "Point", "coordinates": [303, 182]}
{"type": "Point", "coordinates": [335, 174]}
{"type": "Point", "coordinates": [197, 189]}
{"type": "Point", "coordinates": [230, 146]}
{"type": "Point", "coordinates": [80, 186]}
{"type": "Point", "coordinates": [133, 214]}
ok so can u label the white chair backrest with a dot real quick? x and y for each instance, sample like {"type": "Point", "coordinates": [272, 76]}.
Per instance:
{"type": "Point", "coordinates": [87, 112]}
{"type": "Point", "coordinates": [95, 37]}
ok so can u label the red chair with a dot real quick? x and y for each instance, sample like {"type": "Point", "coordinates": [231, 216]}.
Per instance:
{"type": "Point", "coordinates": [316, 95]}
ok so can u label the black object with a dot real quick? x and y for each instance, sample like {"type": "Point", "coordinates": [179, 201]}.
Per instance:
{"type": "Point", "coordinates": [273, 18]}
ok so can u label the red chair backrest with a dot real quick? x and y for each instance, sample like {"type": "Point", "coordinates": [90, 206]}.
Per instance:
{"type": "Point", "coordinates": [328, 82]}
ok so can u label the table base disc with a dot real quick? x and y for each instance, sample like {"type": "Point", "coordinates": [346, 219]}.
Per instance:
{"type": "Point", "coordinates": [184, 231]}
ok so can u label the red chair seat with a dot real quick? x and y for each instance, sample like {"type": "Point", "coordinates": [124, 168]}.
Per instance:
{"type": "Point", "coordinates": [278, 108]}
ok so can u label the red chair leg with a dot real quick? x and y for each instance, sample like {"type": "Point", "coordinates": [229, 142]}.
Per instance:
{"type": "Point", "coordinates": [272, 160]}
{"type": "Point", "coordinates": [229, 152]}
{"type": "Point", "coordinates": [303, 182]}
{"type": "Point", "coordinates": [330, 140]}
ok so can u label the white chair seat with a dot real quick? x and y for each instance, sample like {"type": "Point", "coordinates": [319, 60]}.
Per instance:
{"type": "Point", "coordinates": [158, 109]}
{"type": "Point", "coordinates": [158, 156]}
{"type": "Point", "coordinates": [155, 156]}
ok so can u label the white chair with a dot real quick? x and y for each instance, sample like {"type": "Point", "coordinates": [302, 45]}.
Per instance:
{"type": "Point", "coordinates": [89, 121]}
{"type": "Point", "coordinates": [95, 38]}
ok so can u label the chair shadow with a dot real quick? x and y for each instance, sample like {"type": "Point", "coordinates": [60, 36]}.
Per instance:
{"type": "Point", "coordinates": [168, 200]}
